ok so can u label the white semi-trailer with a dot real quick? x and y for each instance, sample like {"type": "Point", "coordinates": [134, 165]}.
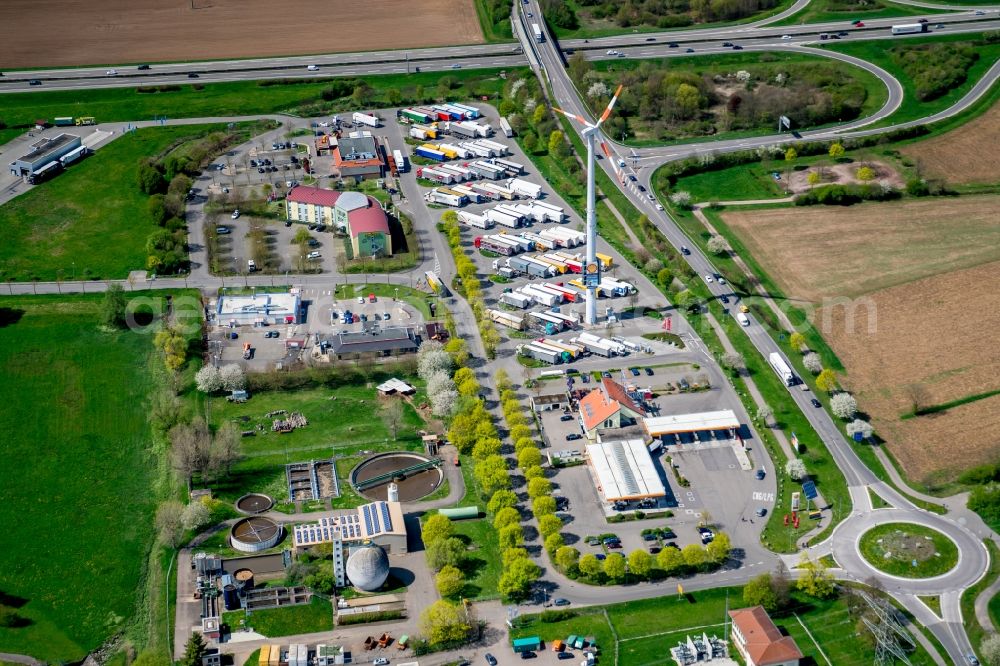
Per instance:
{"type": "Point", "coordinates": [780, 366]}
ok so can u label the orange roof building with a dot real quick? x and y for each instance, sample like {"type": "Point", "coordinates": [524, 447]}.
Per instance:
{"type": "Point", "coordinates": [608, 406]}
{"type": "Point", "coordinates": [760, 642]}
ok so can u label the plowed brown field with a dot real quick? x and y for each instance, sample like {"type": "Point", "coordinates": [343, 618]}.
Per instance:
{"type": "Point", "coordinates": [52, 33]}
{"type": "Point", "coordinates": [924, 275]}
{"type": "Point", "coordinates": [967, 155]}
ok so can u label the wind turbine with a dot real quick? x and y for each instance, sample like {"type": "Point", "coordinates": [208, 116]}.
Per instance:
{"type": "Point", "coordinates": [592, 268]}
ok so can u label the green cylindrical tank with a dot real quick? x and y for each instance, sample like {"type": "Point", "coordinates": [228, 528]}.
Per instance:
{"type": "Point", "coordinates": [460, 513]}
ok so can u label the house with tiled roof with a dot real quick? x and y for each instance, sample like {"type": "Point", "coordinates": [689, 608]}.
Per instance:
{"type": "Point", "coordinates": [608, 406]}
{"type": "Point", "coordinates": [760, 642]}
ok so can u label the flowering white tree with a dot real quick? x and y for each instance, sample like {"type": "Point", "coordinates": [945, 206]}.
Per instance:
{"type": "Point", "coordinates": [717, 245]}
{"type": "Point", "coordinates": [796, 469]}
{"type": "Point", "coordinates": [195, 515]}
{"type": "Point", "coordinates": [813, 363]}
{"type": "Point", "coordinates": [743, 76]}
{"type": "Point", "coordinates": [681, 199]}
{"type": "Point", "coordinates": [844, 405]}
{"type": "Point", "coordinates": [859, 426]}
{"type": "Point", "coordinates": [432, 359]}
{"type": "Point", "coordinates": [598, 90]}
{"type": "Point", "coordinates": [232, 377]}
{"type": "Point", "coordinates": [208, 379]}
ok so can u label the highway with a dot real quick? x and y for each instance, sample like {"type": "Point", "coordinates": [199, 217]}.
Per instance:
{"type": "Point", "coordinates": [949, 630]}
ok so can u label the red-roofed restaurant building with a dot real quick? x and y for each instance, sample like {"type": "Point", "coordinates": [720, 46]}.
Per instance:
{"type": "Point", "coordinates": [760, 642]}
{"type": "Point", "coordinates": [357, 214]}
{"type": "Point", "coordinates": [608, 406]}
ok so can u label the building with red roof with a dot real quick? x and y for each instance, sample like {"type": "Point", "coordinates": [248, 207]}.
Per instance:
{"type": "Point", "coordinates": [760, 642]}
{"type": "Point", "coordinates": [608, 406]}
{"type": "Point", "coordinates": [355, 213]}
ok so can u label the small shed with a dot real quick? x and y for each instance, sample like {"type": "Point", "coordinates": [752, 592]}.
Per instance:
{"type": "Point", "coordinates": [239, 396]}
{"type": "Point", "coordinates": [460, 513]}
{"type": "Point", "coordinates": [527, 644]}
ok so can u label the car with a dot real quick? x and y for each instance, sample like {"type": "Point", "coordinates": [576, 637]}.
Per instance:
{"type": "Point", "coordinates": [688, 50]}
{"type": "Point", "coordinates": [724, 298]}
{"type": "Point", "coordinates": [744, 309]}
{"type": "Point", "coordinates": [380, 661]}
{"type": "Point", "coordinates": [573, 436]}
{"type": "Point", "coordinates": [615, 545]}
{"type": "Point", "coordinates": [288, 223]}
{"type": "Point", "coordinates": [816, 403]}
{"type": "Point", "coordinates": [649, 537]}
{"type": "Point", "coordinates": [565, 655]}
{"type": "Point", "coordinates": [668, 533]}
{"type": "Point", "coordinates": [34, 82]}
{"type": "Point", "coordinates": [672, 544]}
{"type": "Point", "coordinates": [673, 45]}
{"type": "Point", "coordinates": [703, 530]}
{"type": "Point", "coordinates": [456, 66]}
{"type": "Point", "coordinates": [786, 37]}
{"type": "Point", "coordinates": [612, 539]}
{"type": "Point", "coordinates": [142, 67]}
{"type": "Point", "coordinates": [859, 24]}
{"type": "Point", "coordinates": [314, 255]}
{"type": "Point", "coordinates": [971, 658]}
{"type": "Point", "coordinates": [260, 170]}
{"type": "Point", "coordinates": [649, 195]}
{"type": "Point", "coordinates": [923, 21]}
{"type": "Point", "coordinates": [600, 556]}
{"type": "Point", "coordinates": [979, 12]}
{"type": "Point", "coordinates": [855, 21]}
{"type": "Point", "coordinates": [651, 39]}
{"type": "Point", "coordinates": [530, 15]}
{"type": "Point", "coordinates": [835, 37]}
{"type": "Point", "coordinates": [659, 206]}
{"type": "Point", "coordinates": [361, 299]}
{"type": "Point", "coordinates": [649, 372]}
{"type": "Point", "coordinates": [313, 68]}
{"type": "Point", "coordinates": [685, 250]}
{"type": "Point", "coordinates": [737, 47]}
{"type": "Point", "coordinates": [760, 474]}
{"type": "Point", "coordinates": [632, 177]}
{"type": "Point", "coordinates": [251, 265]}
{"type": "Point", "coordinates": [585, 379]}
{"type": "Point", "coordinates": [385, 316]}
{"type": "Point", "coordinates": [709, 279]}
{"type": "Point", "coordinates": [610, 52]}
{"type": "Point", "coordinates": [253, 163]}
{"type": "Point", "coordinates": [761, 512]}
{"type": "Point", "coordinates": [641, 188]}
{"type": "Point", "coordinates": [222, 230]}
{"type": "Point", "coordinates": [653, 550]}
{"type": "Point", "coordinates": [192, 75]}
{"type": "Point", "coordinates": [364, 317]}
{"type": "Point", "coordinates": [707, 539]}
{"type": "Point", "coordinates": [275, 146]}
{"type": "Point", "coordinates": [566, 417]}
{"type": "Point", "coordinates": [271, 334]}
{"type": "Point", "coordinates": [236, 214]}
{"type": "Point", "coordinates": [843, 33]}
{"type": "Point", "coordinates": [491, 660]}
{"type": "Point", "coordinates": [634, 371]}
{"type": "Point", "coordinates": [111, 72]}
{"type": "Point", "coordinates": [528, 655]}
{"type": "Point", "coordinates": [939, 26]}
{"type": "Point", "coordinates": [559, 601]}
{"type": "Point", "coordinates": [727, 45]}
{"type": "Point", "coordinates": [721, 279]}
{"type": "Point", "coordinates": [606, 374]}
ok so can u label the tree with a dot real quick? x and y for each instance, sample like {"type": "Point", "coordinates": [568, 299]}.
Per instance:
{"type": "Point", "coordinates": [837, 151]}
{"type": "Point", "coordinates": [717, 245]}
{"type": "Point", "coordinates": [208, 379]}
{"type": "Point", "coordinates": [149, 177]}
{"type": "Point", "coordinates": [173, 346]}
{"type": "Point", "coordinates": [194, 650]}
{"type": "Point", "coordinates": [511, 536]}
{"type": "Point", "coordinates": [695, 556]}
{"type": "Point", "coordinates": [302, 236]}
{"type": "Point", "coordinates": [989, 650]}
{"type": "Point", "coordinates": [195, 516]}
{"type": "Point", "coordinates": [444, 623]}
{"type": "Point", "coordinates": [791, 154]}
{"type": "Point", "coordinates": [860, 426]}
{"type": "Point", "coordinates": [529, 457]}
{"type": "Point", "coordinates": [232, 377]}
{"type": "Point", "coordinates": [539, 114]}
{"type": "Point", "coordinates": [553, 542]}
{"type": "Point", "coordinates": [449, 581]}
{"type": "Point", "coordinates": [732, 361]}
{"type": "Point", "coordinates": [549, 524]}
{"type": "Point", "coordinates": [719, 548]}
{"type": "Point", "coordinates": [511, 554]}
{"type": "Point", "coordinates": [501, 499]}
{"type": "Point", "coordinates": [826, 381]}
{"type": "Point", "coordinates": [189, 448]}
{"type": "Point", "coordinates": [681, 199]}
{"type": "Point", "coordinates": [813, 178]}
{"type": "Point", "coordinates": [223, 451]}
{"type": "Point", "coordinates": [844, 405]}
{"type": "Point", "coordinates": [796, 469]}
{"type": "Point", "coordinates": [664, 277]}
{"type": "Point", "coordinates": [614, 566]}
{"type": "Point", "coordinates": [539, 487]}
{"type": "Point", "coordinates": [533, 472]}
{"type": "Point", "coordinates": [764, 413]}
{"type": "Point", "coordinates": [758, 592]}
{"type": "Point", "coordinates": [640, 563]}
{"type": "Point", "coordinates": [114, 307]}
{"type": "Point", "coordinates": [516, 580]}
{"type": "Point", "coordinates": [557, 144]}
{"type": "Point", "coordinates": [392, 415]}
{"type": "Point", "coordinates": [567, 557]}
{"type": "Point", "coordinates": [797, 341]}
{"type": "Point", "coordinates": [444, 552]}
{"type": "Point", "coordinates": [866, 173]}
{"type": "Point", "coordinates": [669, 559]}
{"type": "Point", "coordinates": [506, 516]}
{"type": "Point", "coordinates": [432, 358]}
{"type": "Point", "coordinates": [813, 363]}
{"type": "Point", "coordinates": [530, 142]}
{"type": "Point", "coordinates": [492, 474]}
{"type": "Point", "coordinates": [543, 505]}
{"type": "Point", "coordinates": [436, 528]}
{"type": "Point", "coordinates": [590, 565]}
{"type": "Point", "coordinates": [815, 581]}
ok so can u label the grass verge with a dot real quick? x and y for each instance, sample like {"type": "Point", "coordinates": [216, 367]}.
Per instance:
{"type": "Point", "coordinates": [908, 550]}
{"type": "Point", "coordinates": [968, 601]}
{"type": "Point", "coordinates": [315, 616]}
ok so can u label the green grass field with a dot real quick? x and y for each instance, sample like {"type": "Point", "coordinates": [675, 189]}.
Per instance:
{"type": "Point", "coordinates": [315, 616]}
{"type": "Point", "coordinates": [747, 182]}
{"type": "Point", "coordinates": [894, 547]}
{"type": "Point", "coordinates": [89, 222]}
{"type": "Point", "coordinates": [482, 565]}
{"type": "Point", "coordinates": [78, 501]}
{"type": "Point", "coordinates": [825, 11]}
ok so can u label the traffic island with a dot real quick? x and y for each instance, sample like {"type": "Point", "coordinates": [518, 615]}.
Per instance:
{"type": "Point", "coordinates": [908, 550]}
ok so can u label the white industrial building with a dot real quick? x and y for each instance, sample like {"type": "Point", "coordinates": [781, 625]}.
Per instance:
{"type": "Point", "coordinates": [259, 309]}
{"type": "Point", "coordinates": [624, 470]}
{"type": "Point", "coordinates": [665, 428]}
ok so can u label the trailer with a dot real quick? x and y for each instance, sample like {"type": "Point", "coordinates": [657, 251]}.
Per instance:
{"type": "Point", "coordinates": [430, 153]}
{"type": "Point", "coordinates": [538, 269]}
{"type": "Point", "coordinates": [423, 132]}
{"type": "Point", "coordinates": [545, 343]}
{"type": "Point", "coordinates": [538, 353]}
{"type": "Point", "coordinates": [63, 121]}
{"type": "Point", "coordinates": [509, 209]}
{"type": "Point", "coordinates": [548, 289]}
{"type": "Point", "coordinates": [365, 119]}
{"type": "Point", "coordinates": [504, 192]}
{"type": "Point", "coordinates": [909, 28]}
{"type": "Point", "coordinates": [470, 111]}
{"type": "Point", "coordinates": [506, 128]}
{"type": "Point", "coordinates": [524, 209]}
{"type": "Point", "coordinates": [519, 264]}
{"type": "Point", "coordinates": [499, 148]}
{"type": "Point", "coordinates": [440, 148]}
{"type": "Point", "coordinates": [625, 287]}
{"type": "Point", "coordinates": [578, 283]}
{"type": "Point", "coordinates": [565, 237]}
{"type": "Point", "coordinates": [400, 159]}
{"type": "Point", "coordinates": [435, 175]}
{"type": "Point", "coordinates": [445, 196]}
{"type": "Point", "coordinates": [612, 288]}
{"type": "Point", "coordinates": [605, 260]}
{"type": "Point", "coordinates": [507, 319]}
{"type": "Point", "coordinates": [473, 220]}
{"type": "Point", "coordinates": [459, 151]}
{"type": "Point", "coordinates": [574, 350]}
{"type": "Point", "coordinates": [540, 242]}
{"type": "Point", "coordinates": [86, 120]}
{"type": "Point", "coordinates": [503, 219]}
{"type": "Point", "coordinates": [485, 192]}
{"type": "Point", "coordinates": [435, 284]}
{"type": "Point", "coordinates": [453, 114]}
{"type": "Point", "coordinates": [74, 155]}
{"type": "Point", "coordinates": [492, 245]}
{"type": "Point", "coordinates": [540, 296]}
{"type": "Point", "coordinates": [780, 366]}
{"type": "Point", "coordinates": [509, 165]}
{"type": "Point", "coordinates": [415, 115]}
{"type": "Point", "coordinates": [558, 266]}
{"type": "Point", "coordinates": [524, 188]}
{"type": "Point", "coordinates": [456, 108]}
{"type": "Point", "coordinates": [487, 170]}
{"type": "Point", "coordinates": [459, 176]}
{"type": "Point", "coordinates": [474, 197]}
{"type": "Point", "coordinates": [478, 150]}
{"type": "Point", "coordinates": [569, 295]}
{"type": "Point", "coordinates": [559, 261]}
{"type": "Point", "coordinates": [537, 31]}
{"type": "Point", "coordinates": [556, 213]}
{"type": "Point", "coordinates": [547, 323]}
{"type": "Point", "coordinates": [515, 299]}
{"type": "Point", "coordinates": [499, 240]}
{"type": "Point", "coordinates": [522, 243]}
{"type": "Point", "coordinates": [459, 129]}
{"type": "Point", "coordinates": [571, 321]}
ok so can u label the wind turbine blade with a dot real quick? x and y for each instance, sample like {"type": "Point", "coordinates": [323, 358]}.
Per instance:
{"type": "Point", "coordinates": [611, 105]}
{"type": "Point", "coordinates": [604, 147]}
{"type": "Point", "coordinates": [579, 119]}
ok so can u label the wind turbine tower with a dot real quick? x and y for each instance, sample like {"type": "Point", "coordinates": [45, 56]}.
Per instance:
{"type": "Point", "coordinates": [592, 267]}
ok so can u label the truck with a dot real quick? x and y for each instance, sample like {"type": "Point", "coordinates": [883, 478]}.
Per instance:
{"type": "Point", "coordinates": [63, 121]}
{"type": "Point", "coordinates": [435, 284]}
{"type": "Point", "coordinates": [536, 29]}
{"type": "Point", "coordinates": [512, 167]}
{"type": "Point", "coordinates": [780, 366]}
{"type": "Point", "coordinates": [540, 353]}
{"type": "Point", "coordinates": [430, 153]}
{"type": "Point", "coordinates": [549, 289]}
{"type": "Point", "coordinates": [460, 129]}
{"type": "Point", "coordinates": [474, 197]}
{"type": "Point", "coordinates": [538, 269]}
{"type": "Point", "coordinates": [524, 188]}
{"type": "Point", "coordinates": [435, 175]}
{"type": "Point", "coordinates": [743, 319]}
{"type": "Point", "coordinates": [506, 128]}
{"type": "Point", "coordinates": [450, 154]}
{"type": "Point", "coordinates": [507, 319]}
{"type": "Point", "coordinates": [519, 264]}
{"type": "Point", "coordinates": [470, 111]}
{"type": "Point", "coordinates": [400, 159]}
{"type": "Point", "coordinates": [540, 296]}
{"type": "Point", "coordinates": [415, 116]}
{"type": "Point", "coordinates": [909, 28]}
{"type": "Point", "coordinates": [503, 219]}
{"type": "Point", "coordinates": [459, 151]}
{"type": "Point", "coordinates": [423, 132]}
{"type": "Point", "coordinates": [491, 244]}
{"type": "Point", "coordinates": [556, 214]}
{"type": "Point", "coordinates": [365, 119]}
{"type": "Point", "coordinates": [446, 113]}
{"type": "Point", "coordinates": [445, 196]}
{"type": "Point", "coordinates": [516, 300]}
{"type": "Point", "coordinates": [458, 176]}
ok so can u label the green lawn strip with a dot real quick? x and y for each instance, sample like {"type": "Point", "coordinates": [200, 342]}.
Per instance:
{"type": "Point", "coordinates": [877, 52]}
{"type": "Point", "coordinates": [84, 475]}
{"type": "Point", "coordinates": [744, 182]}
{"type": "Point", "coordinates": [724, 63]}
{"type": "Point", "coordinates": [824, 11]}
{"type": "Point", "coordinates": [877, 501]}
{"type": "Point", "coordinates": [886, 557]}
{"type": "Point", "coordinates": [253, 659]}
{"type": "Point", "coordinates": [247, 97]}
{"type": "Point", "coordinates": [969, 596]}
{"type": "Point", "coordinates": [315, 616]}
{"type": "Point", "coordinates": [482, 563]}
{"type": "Point", "coordinates": [934, 603]}
{"type": "Point", "coordinates": [494, 21]}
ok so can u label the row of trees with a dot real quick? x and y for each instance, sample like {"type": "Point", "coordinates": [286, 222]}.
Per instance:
{"type": "Point", "coordinates": [842, 404]}
{"type": "Point", "coordinates": [469, 284]}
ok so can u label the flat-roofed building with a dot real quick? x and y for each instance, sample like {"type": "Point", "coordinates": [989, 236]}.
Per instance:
{"type": "Point", "coordinates": [371, 343]}
{"type": "Point", "coordinates": [44, 156]}
{"type": "Point", "coordinates": [721, 423]}
{"type": "Point", "coordinates": [258, 309]}
{"type": "Point", "coordinates": [358, 155]}
{"type": "Point", "coordinates": [625, 470]}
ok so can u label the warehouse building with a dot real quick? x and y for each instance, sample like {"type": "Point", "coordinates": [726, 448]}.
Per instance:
{"type": "Point", "coordinates": [354, 213]}
{"type": "Point", "coordinates": [46, 156]}
{"type": "Point", "coordinates": [624, 470]}
{"type": "Point", "coordinates": [371, 343]}
{"type": "Point", "coordinates": [358, 155]}
{"type": "Point", "coordinates": [259, 309]}
{"type": "Point", "coordinates": [379, 523]}
{"type": "Point", "coordinates": [680, 428]}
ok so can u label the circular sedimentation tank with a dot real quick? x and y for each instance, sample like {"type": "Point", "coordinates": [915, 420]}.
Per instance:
{"type": "Point", "coordinates": [254, 503]}
{"type": "Point", "coordinates": [390, 469]}
{"type": "Point", "coordinates": [252, 535]}
{"type": "Point", "coordinates": [368, 568]}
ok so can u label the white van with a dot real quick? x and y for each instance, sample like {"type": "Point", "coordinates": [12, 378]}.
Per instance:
{"type": "Point", "coordinates": [743, 319]}
{"type": "Point", "coordinates": [251, 265]}
{"type": "Point", "coordinates": [313, 68]}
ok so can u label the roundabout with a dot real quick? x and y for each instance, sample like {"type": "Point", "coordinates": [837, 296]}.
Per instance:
{"type": "Point", "coordinates": [908, 550]}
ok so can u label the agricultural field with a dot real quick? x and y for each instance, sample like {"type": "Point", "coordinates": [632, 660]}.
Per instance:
{"type": "Point", "coordinates": [80, 473]}
{"type": "Point", "coordinates": [122, 31]}
{"type": "Point", "coordinates": [913, 335]}
{"type": "Point", "coordinates": [963, 156]}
